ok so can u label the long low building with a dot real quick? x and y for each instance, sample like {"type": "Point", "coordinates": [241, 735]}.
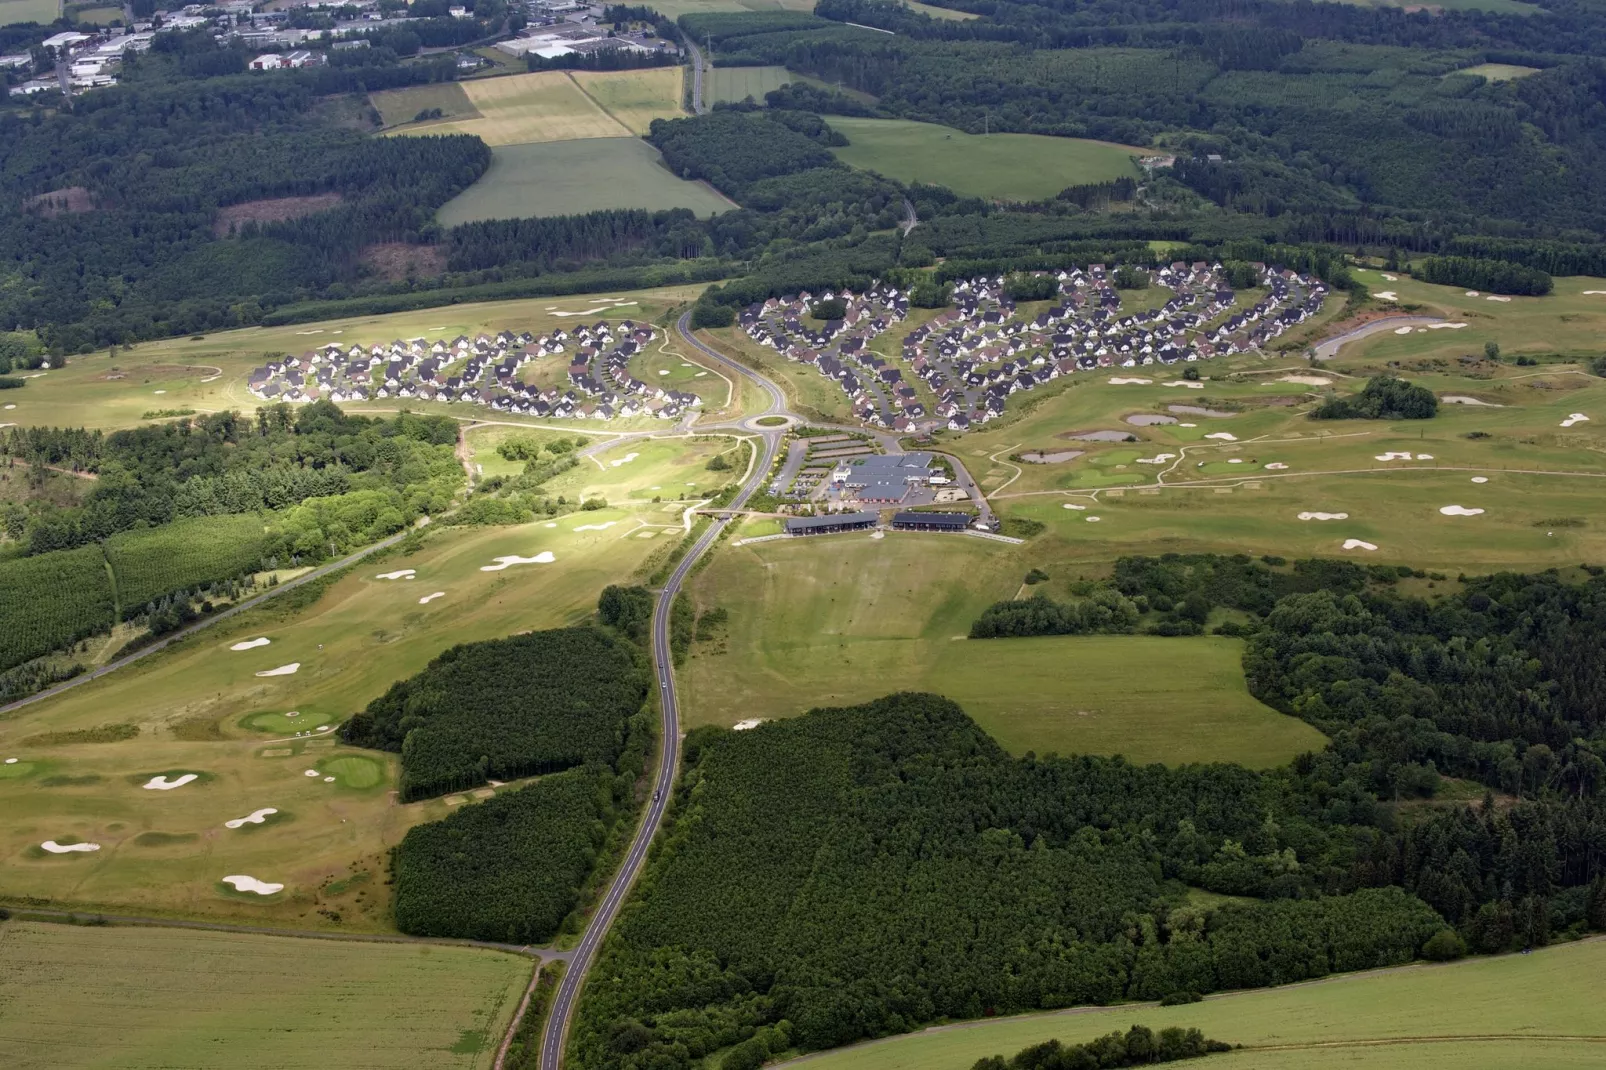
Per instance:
{"type": "Point", "coordinates": [830, 523]}
{"type": "Point", "coordinates": [930, 521]}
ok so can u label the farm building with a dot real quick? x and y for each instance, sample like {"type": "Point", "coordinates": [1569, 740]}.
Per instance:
{"type": "Point", "coordinates": [930, 521]}
{"type": "Point", "coordinates": [827, 525]}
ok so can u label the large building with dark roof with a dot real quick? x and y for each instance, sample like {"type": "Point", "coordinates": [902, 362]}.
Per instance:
{"type": "Point", "coordinates": [831, 523]}
{"type": "Point", "coordinates": [909, 521]}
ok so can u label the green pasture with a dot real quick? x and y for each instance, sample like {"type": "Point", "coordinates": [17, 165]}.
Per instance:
{"type": "Point", "coordinates": [1012, 167]}
{"type": "Point", "coordinates": [1462, 1014]}
{"type": "Point", "coordinates": [673, 469]}
{"type": "Point", "coordinates": [838, 620]}
{"type": "Point", "coordinates": [149, 997]}
{"type": "Point", "coordinates": [732, 85]}
{"type": "Point", "coordinates": [659, 365]}
{"type": "Point", "coordinates": [398, 107]}
{"type": "Point", "coordinates": [574, 177]}
{"type": "Point", "coordinates": [208, 373]}
{"type": "Point", "coordinates": [41, 11]}
{"type": "Point", "coordinates": [200, 709]}
{"type": "Point", "coordinates": [673, 9]}
{"type": "Point", "coordinates": [99, 16]}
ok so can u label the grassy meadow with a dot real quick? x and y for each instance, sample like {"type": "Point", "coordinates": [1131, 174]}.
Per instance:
{"type": "Point", "coordinates": [636, 98]}
{"type": "Point", "coordinates": [399, 107]}
{"type": "Point", "coordinates": [839, 620]}
{"type": "Point", "coordinates": [673, 9]}
{"type": "Point", "coordinates": [732, 85]}
{"type": "Point", "coordinates": [574, 177]}
{"type": "Point", "coordinates": [201, 708]}
{"type": "Point", "coordinates": [43, 12]}
{"type": "Point", "coordinates": [139, 997]}
{"type": "Point", "coordinates": [1462, 1014]}
{"type": "Point", "coordinates": [1010, 167]}
{"type": "Point", "coordinates": [518, 109]}
{"type": "Point", "coordinates": [674, 469]}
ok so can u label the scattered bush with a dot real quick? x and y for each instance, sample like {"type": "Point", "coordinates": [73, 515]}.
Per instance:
{"type": "Point", "coordinates": [1383, 398]}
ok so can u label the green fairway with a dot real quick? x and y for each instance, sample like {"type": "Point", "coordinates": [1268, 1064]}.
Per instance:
{"type": "Point", "coordinates": [732, 85]}
{"type": "Point", "coordinates": [1012, 167]}
{"type": "Point", "coordinates": [673, 469]}
{"type": "Point", "coordinates": [840, 619]}
{"type": "Point", "coordinates": [203, 709]}
{"type": "Point", "coordinates": [144, 997]}
{"type": "Point", "coordinates": [1472, 1013]}
{"type": "Point", "coordinates": [574, 177]}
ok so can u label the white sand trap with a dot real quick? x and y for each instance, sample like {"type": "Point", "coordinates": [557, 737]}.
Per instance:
{"type": "Point", "coordinates": [549, 525]}
{"type": "Point", "coordinates": [664, 371]}
{"type": "Point", "coordinates": [251, 644]}
{"type": "Point", "coordinates": [1588, 292]}
{"type": "Point", "coordinates": [1123, 381]}
{"type": "Point", "coordinates": [428, 598]}
{"type": "Point", "coordinates": [328, 780]}
{"type": "Point", "coordinates": [1391, 278]}
{"type": "Point", "coordinates": [1225, 436]}
{"type": "Point", "coordinates": [251, 884]}
{"type": "Point", "coordinates": [1575, 418]}
{"type": "Point", "coordinates": [10, 406]}
{"type": "Point", "coordinates": [1402, 330]}
{"type": "Point", "coordinates": [1386, 295]}
{"type": "Point", "coordinates": [282, 670]}
{"type": "Point", "coordinates": [699, 375]}
{"type": "Point", "coordinates": [1493, 298]}
{"type": "Point", "coordinates": [161, 783]}
{"type": "Point", "coordinates": [1189, 385]}
{"type": "Point", "coordinates": [1187, 425]}
{"type": "Point", "coordinates": [1445, 326]}
{"type": "Point", "coordinates": [545, 557]}
{"type": "Point", "coordinates": [1235, 460]}
{"type": "Point", "coordinates": [1276, 466]}
{"type": "Point", "coordinates": [311, 772]}
{"type": "Point", "coordinates": [1424, 456]}
{"type": "Point", "coordinates": [1480, 479]}
{"type": "Point", "coordinates": [1473, 293]}
{"type": "Point", "coordinates": [1306, 380]}
{"type": "Point", "coordinates": [1067, 505]}
{"type": "Point", "coordinates": [1465, 399]}
{"type": "Point", "coordinates": [878, 534]}
{"type": "Point", "coordinates": [743, 726]}
{"type": "Point", "coordinates": [626, 459]}
{"type": "Point", "coordinates": [1458, 510]}
{"type": "Point", "coordinates": [11, 761]}
{"type": "Point", "coordinates": [1159, 458]}
{"type": "Point", "coordinates": [255, 817]}
{"type": "Point", "coordinates": [399, 574]}
{"type": "Point", "coordinates": [1091, 519]}
{"type": "Point", "coordinates": [1358, 544]}
{"type": "Point", "coordinates": [597, 527]}
{"type": "Point", "coordinates": [68, 848]}
{"type": "Point", "coordinates": [1324, 516]}
{"type": "Point", "coordinates": [1392, 456]}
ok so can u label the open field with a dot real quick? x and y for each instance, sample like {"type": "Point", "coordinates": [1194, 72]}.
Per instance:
{"type": "Point", "coordinates": [639, 470]}
{"type": "Point", "coordinates": [1498, 7]}
{"type": "Point", "coordinates": [673, 9]}
{"type": "Point", "coordinates": [735, 84]}
{"type": "Point", "coordinates": [939, 12]}
{"type": "Point", "coordinates": [575, 177]}
{"type": "Point", "coordinates": [1011, 167]}
{"type": "Point", "coordinates": [99, 16]}
{"type": "Point", "coordinates": [40, 11]}
{"type": "Point", "coordinates": [838, 620]}
{"type": "Point", "coordinates": [137, 997]}
{"type": "Point", "coordinates": [520, 109]}
{"type": "Point", "coordinates": [1499, 72]}
{"type": "Point", "coordinates": [808, 392]}
{"type": "Point", "coordinates": [398, 107]}
{"type": "Point", "coordinates": [199, 708]}
{"type": "Point", "coordinates": [1447, 1017]}
{"type": "Point", "coordinates": [209, 373]}
{"type": "Point", "coordinates": [636, 98]}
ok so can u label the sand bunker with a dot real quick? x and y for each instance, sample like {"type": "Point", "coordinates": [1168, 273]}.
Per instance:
{"type": "Point", "coordinates": [428, 598]}
{"type": "Point", "coordinates": [251, 644]}
{"type": "Point", "coordinates": [1159, 458]}
{"type": "Point", "coordinates": [1324, 516]}
{"type": "Point", "coordinates": [255, 817]}
{"type": "Point", "coordinates": [1473, 293]}
{"type": "Point", "coordinates": [1235, 460]}
{"type": "Point", "coordinates": [1125, 381]}
{"type": "Point", "coordinates": [663, 371]}
{"type": "Point", "coordinates": [68, 848]}
{"type": "Point", "coordinates": [1058, 457]}
{"type": "Point", "coordinates": [1276, 466]}
{"type": "Point", "coordinates": [597, 527]}
{"type": "Point", "coordinates": [251, 884]}
{"type": "Point", "coordinates": [1225, 436]}
{"type": "Point", "coordinates": [1464, 399]}
{"type": "Point", "coordinates": [1403, 330]}
{"type": "Point", "coordinates": [1402, 456]}
{"type": "Point", "coordinates": [1492, 298]}
{"type": "Point", "coordinates": [1186, 383]}
{"type": "Point", "coordinates": [282, 670]}
{"type": "Point", "coordinates": [1445, 326]}
{"type": "Point", "coordinates": [743, 726]}
{"type": "Point", "coordinates": [328, 780]}
{"type": "Point", "coordinates": [1391, 278]}
{"type": "Point", "coordinates": [11, 761]}
{"type": "Point", "coordinates": [1067, 505]}
{"type": "Point", "coordinates": [1480, 479]}
{"type": "Point", "coordinates": [626, 459]}
{"type": "Point", "coordinates": [1091, 519]}
{"type": "Point", "coordinates": [1306, 380]}
{"type": "Point", "coordinates": [1458, 510]}
{"type": "Point", "coordinates": [1149, 419]}
{"type": "Point", "coordinates": [161, 783]}
{"type": "Point", "coordinates": [1575, 418]}
{"type": "Point", "coordinates": [1386, 295]}
{"type": "Point", "coordinates": [399, 574]}
{"type": "Point", "coordinates": [1358, 544]}
{"type": "Point", "coordinates": [545, 557]}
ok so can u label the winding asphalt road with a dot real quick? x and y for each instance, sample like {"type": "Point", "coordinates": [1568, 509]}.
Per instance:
{"type": "Point", "coordinates": [580, 962]}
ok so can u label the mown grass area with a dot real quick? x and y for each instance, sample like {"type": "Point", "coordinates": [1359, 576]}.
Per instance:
{"type": "Point", "coordinates": [1438, 1017]}
{"type": "Point", "coordinates": [143, 997]}
{"type": "Point", "coordinates": [575, 177]}
{"type": "Point", "coordinates": [398, 107]}
{"type": "Point", "coordinates": [840, 619]}
{"type": "Point", "coordinates": [674, 469]}
{"type": "Point", "coordinates": [1013, 167]}
{"type": "Point", "coordinates": [809, 393]}
{"type": "Point", "coordinates": [636, 98]}
{"type": "Point", "coordinates": [208, 373]}
{"type": "Point", "coordinates": [734, 84]}
{"type": "Point", "coordinates": [200, 706]}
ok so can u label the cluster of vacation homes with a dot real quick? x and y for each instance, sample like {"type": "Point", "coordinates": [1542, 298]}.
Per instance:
{"type": "Point", "coordinates": [973, 356]}
{"type": "Point", "coordinates": [485, 370]}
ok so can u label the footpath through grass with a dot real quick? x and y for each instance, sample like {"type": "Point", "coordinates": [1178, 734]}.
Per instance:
{"type": "Point", "coordinates": [1509, 1013]}
{"type": "Point", "coordinates": [138, 997]}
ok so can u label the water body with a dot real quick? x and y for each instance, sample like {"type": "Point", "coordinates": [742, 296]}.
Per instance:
{"type": "Point", "coordinates": [1149, 419]}
{"type": "Point", "coordinates": [1194, 410]}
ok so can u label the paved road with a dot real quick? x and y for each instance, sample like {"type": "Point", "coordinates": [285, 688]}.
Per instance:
{"type": "Point", "coordinates": [563, 1005]}
{"type": "Point", "coordinates": [1329, 349]}
{"type": "Point", "coordinates": [697, 107]}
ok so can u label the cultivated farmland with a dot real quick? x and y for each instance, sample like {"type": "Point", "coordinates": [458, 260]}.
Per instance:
{"type": "Point", "coordinates": [1011, 167]}
{"type": "Point", "coordinates": [1433, 1017]}
{"type": "Point", "coordinates": [40, 11]}
{"type": "Point", "coordinates": [146, 997]}
{"type": "Point", "coordinates": [636, 98]}
{"type": "Point", "coordinates": [735, 84]}
{"type": "Point", "coordinates": [524, 108]}
{"type": "Point", "coordinates": [400, 106]}
{"type": "Point", "coordinates": [574, 177]}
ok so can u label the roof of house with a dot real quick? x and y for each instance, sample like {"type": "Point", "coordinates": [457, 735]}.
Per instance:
{"type": "Point", "coordinates": [955, 521]}
{"type": "Point", "coordinates": [817, 523]}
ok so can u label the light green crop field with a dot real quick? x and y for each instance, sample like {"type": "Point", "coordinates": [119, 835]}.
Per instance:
{"type": "Point", "coordinates": [40, 11]}
{"type": "Point", "coordinates": [1498, 72]}
{"type": "Point", "coordinates": [939, 12]}
{"type": "Point", "coordinates": [1011, 167]}
{"type": "Point", "coordinates": [209, 373]}
{"type": "Point", "coordinates": [200, 708]}
{"type": "Point", "coordinates": [147, 997]}
{"type": "Point", "coordinates": [734, 84]}
{"type": "Point", "coordinates": [575, 177]}
{"type": "Point", "coordinates": [673, 9]}
{"type": "Point", "coordinates": [398, 107]}
{"type": "Point", "coordinates": [518, 109]}
{"type": "Point", "coordinates": [674, 469]}
{"type": "Point", "coordinates": [1464, 1014]}
{"type": "Point", "coordinates": [837, 620]}
{"type": "Point", "coordinates": [635, 98]}
{"type": "Point", "coordinates": [99, 16]}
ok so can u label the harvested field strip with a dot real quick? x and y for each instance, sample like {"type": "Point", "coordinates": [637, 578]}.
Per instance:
{"type": "Point", "coordinates": [635, 98]}
{"type": "Point", "coordinates": [526, 108]}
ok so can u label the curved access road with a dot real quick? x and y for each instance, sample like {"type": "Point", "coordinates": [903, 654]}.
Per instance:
{"type": "Point", "coordinates": [1328, 349]}
{"type": "Point", "coordinates": [556, 1031]}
